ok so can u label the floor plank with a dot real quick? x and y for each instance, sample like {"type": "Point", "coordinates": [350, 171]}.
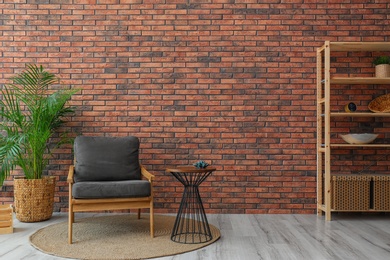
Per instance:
{"type": "Point", "coordinates": [247, 237]}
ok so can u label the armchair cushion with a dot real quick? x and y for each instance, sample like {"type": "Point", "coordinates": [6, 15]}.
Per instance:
{"type": "Point", "coordinates": [111, 189]}
{"type": "Point", "coordinates": [106, 159]}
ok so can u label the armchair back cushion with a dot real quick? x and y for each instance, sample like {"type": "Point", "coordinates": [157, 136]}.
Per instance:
{"type": "Point", "coordinates": [106, 159]}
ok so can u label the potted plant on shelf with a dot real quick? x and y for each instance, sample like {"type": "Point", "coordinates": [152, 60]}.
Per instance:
{"type": "Point", "coordinates": [30, 114]}
{"type": "Point", "coordinates": [382, 67]}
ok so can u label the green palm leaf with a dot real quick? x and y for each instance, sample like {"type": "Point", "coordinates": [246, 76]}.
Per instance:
{"type": "Point", "coordinates": [30, 114]}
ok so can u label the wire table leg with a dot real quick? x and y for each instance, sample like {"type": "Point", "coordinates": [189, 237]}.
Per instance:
{"type": "Point", "coordinates": [191, 225]}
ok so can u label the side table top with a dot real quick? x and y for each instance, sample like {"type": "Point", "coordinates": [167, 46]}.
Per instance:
{"type": "Point", "coordinates": [190, 169]}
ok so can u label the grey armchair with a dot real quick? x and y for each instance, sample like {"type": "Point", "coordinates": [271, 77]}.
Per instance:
{"type": "Point", "coordinates": [107, 175]}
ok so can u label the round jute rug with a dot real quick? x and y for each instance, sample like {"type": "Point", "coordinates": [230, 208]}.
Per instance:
{"type": "Point", "coordinates": [114, 237]}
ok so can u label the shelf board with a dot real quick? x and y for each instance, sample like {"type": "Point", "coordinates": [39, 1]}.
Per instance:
{"type": "Point", "coordinates": [321, 150]}
{"type": "Point", "coordinates": [360, 210]}
{"type": "Point", "coordinates": [359, 145]}
{"type": "Point", "coordinates": [321, 207]}
{"type": "Point", "coordinates": [360, 80]}
{"type": "Point", "coordinates": [359, 46]}
{"type": "Point", "coordinates": [359, 114]}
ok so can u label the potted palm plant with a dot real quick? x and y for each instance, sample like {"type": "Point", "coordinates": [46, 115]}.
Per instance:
{"type": "Point", "coordinates": [30, 114]}
{"type": "Point", "coordinates": [382, 67]}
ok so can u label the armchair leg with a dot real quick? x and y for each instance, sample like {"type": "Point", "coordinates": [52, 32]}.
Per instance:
{"type": "Point", "coordinates": [151, 223]}
{"type": "Point", "coordinates": [70, 224]}
{"type": "Point", "coordinates": [139, 213]}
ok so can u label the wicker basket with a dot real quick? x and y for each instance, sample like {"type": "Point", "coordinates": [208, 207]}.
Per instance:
{"type": "Point", "coordinates": [381, 192]}
{"type": "Point", "coordinates": [34, 199]}
{"type": "Point", "coordinates": [380, 104]}
{"type": "Point", "coordinates": [382, 71]}
{"type": "Point", "coordinates": [350, 192]}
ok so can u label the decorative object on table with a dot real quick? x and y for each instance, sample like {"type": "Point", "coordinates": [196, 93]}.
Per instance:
{"type": "Point", "coordinates": [382, 67]}
{"type": "Point", "coordinates": [350, 107]}
{"type": "Point", "coordinates": [114, 236]}
{"type": "Point", "coordinates": [6, 219]}
{"type": "Point", "coordinates": [191, 225]}
{"type": "Point", "coordinates": [107, 175]}
{"type": "Point", "coordinates": [359, 138]}
{"type": "Point", "coordinates": [30, 114]}
{"type": "Point", "coordinates": [201, 164]}
{"type": "Point", "coordinates": [380, 104]}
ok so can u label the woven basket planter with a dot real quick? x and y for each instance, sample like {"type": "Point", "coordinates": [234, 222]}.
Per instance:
{"type": "Point", "coordinates": [382, 71]}
{"type": "Point", "coordinates": [34, 199]}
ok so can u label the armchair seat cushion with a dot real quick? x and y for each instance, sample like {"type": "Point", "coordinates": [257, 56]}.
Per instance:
{"type": "Point", "coordinates": [111, 189]}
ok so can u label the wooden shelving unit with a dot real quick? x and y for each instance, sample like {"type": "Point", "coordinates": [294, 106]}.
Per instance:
{"type": "Point", "coordinates": [325, 192]}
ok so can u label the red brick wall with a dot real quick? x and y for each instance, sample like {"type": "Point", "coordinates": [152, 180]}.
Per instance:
{"type": "Point", "coordinates": [228, 82]}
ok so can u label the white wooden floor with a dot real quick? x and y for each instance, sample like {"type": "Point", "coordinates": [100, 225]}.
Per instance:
{"type": "Point", "coordinates": [246, 237]}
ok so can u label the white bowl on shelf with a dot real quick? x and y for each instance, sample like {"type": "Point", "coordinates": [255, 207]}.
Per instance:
{"type": "Point", "coordinates": [359, 138]}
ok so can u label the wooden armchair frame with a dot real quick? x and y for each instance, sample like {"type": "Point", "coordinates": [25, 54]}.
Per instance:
{"type": "Point", "coordinates": [82, 205]}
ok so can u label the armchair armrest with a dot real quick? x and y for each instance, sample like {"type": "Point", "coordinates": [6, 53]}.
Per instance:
{"type": "Point", "coordinates": [146, 174]}
{"type": "Point", "coordinates": [70, 175]}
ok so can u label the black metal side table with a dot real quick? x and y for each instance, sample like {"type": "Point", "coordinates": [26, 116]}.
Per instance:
{"type": "Point", "coordinates": [191, 225]}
